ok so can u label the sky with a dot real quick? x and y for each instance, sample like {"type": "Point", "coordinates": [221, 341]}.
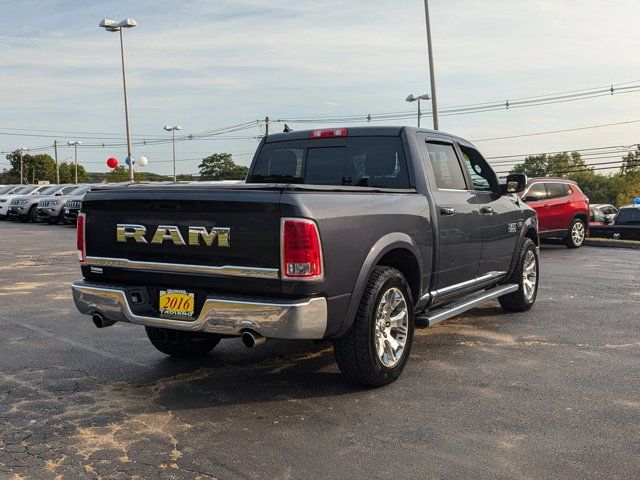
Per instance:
{"type": "Point", "coordinates": [206, 65]}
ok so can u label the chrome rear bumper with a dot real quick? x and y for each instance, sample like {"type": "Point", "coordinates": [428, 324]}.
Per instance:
{"type": "Point", "coordinates": [295, 319]}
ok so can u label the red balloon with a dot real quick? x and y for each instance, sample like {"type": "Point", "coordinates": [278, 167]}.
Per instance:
{"type": "Point", "coordinates": [112, 162]}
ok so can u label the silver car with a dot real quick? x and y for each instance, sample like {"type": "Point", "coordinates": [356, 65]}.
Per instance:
{"type": "Point", "coordinates": [6, 193]}
{"type": "Point", "coordinates": [23, 207]}
{"type": "Point", "coordinates": [51, 209]}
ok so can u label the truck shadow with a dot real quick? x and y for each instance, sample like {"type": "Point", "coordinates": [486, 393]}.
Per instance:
{"type": "Point", "coordinates": [287, 371]}
{"type": "Point", "coordinates": [280, 371]}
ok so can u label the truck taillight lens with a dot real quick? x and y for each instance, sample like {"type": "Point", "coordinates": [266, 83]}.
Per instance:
{"type": "Point", "coordinates": [301, 251]}
{"type": "Point", "coordinates": [80, 230]}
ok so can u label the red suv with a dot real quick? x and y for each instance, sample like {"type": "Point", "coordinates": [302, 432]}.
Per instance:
{"type": "Point", "coordinates": [563, 210]}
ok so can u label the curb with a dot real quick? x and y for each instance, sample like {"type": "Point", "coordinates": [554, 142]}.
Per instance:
{"type": "Point", "coordinates": [605, 242]}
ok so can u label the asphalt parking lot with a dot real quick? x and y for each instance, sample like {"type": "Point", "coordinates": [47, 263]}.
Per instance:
{"type": "Point", "coordinates": [552, 393]}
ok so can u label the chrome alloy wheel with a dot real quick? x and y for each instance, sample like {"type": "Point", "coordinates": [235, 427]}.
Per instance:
{"type": "Point", "coordinates": [391, 327]}
{"type": "Point", "coordinates": [529, 275]}
{"type": "Point", "coordinates": [577, 233]}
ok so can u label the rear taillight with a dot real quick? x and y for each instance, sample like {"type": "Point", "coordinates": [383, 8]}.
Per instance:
{"type": "Point", "coordinates": [329, 133]}
{"type": "Point", "coordinates": [80, 232]}
{"type": "Point", "coordinates": [301, 251]}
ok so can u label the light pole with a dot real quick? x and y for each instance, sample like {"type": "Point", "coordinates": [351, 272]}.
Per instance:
{"type": "Point", "coordinates": [113, 26]}
{"type": "Point", "coordinates": [414, 98]}
{"type": "Point", "coordinates": [173, 129]}
{"type": "Point", "coordinates": [432, 74]}
{"type": "Point", "coordinates": [75, 144]}
{"type": "Point", "coordinates": [21, 150]}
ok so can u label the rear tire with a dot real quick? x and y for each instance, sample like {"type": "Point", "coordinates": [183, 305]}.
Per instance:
{"type": "Point", "coordinates": [524, 274]}
{"type": "Point", "coordinates": [181, 344]}
{"type": "Point", "coordinates": [376, 349]}
{"type": "Point", "coordinates": [577, 233]}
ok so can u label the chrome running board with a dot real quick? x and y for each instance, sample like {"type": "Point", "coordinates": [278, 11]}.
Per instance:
{"type": "Point", "coordinates": [450, 310]}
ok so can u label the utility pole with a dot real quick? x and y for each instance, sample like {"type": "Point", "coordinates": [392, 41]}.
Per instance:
{"type": "Point", "coordinates": [432, 74]}
{"type": "Point", "coordinates": [21, 179]}
{"type": "Point", "coordinates": [266, 125]}
{"type": "Point", "coordinates": [55, 151]}
{"type": "Point", "coordinates": [75, 144]}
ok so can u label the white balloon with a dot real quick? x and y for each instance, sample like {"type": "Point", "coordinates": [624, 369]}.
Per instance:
{"type": "Point", "coordinates": [143, 161]}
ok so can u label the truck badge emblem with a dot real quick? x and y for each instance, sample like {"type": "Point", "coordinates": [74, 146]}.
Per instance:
{"type": "Point", "coordinates": [171, 233]}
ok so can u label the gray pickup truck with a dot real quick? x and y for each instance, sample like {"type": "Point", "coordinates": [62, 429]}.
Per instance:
{"type": "Point", "coordinates": [350, 235]}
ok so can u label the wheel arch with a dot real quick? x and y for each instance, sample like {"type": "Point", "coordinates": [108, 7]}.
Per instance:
{"type": "Point", "coordinates": [393, 250]}
{"type": "Point", "coordinates": [529, 230]}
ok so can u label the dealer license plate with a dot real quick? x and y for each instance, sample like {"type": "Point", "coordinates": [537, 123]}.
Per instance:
{"type": "Point", "coordinates": [177, 303]}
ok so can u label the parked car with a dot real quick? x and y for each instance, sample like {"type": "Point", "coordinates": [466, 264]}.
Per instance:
{"type": "Point", "coordinates": [628, 215]}
{"type": "Point", "coordinates": [71, 210]}
{"type": "Point", "coordinates": [339, 234]}
{"type": "Point", "coordinates": [5, 197]}
{"type": "Point", "coordinates": [23, 191]}
{"type": "Point", "coordinates": [23, 207]}
{"type": "Point", "coordinates": [51, 209]}
{"type": "Point", "coordinates": [563, 210]}
{"type": "Point", "coordinates": [625, 227]}
{"type": "Point", "coordinates": [609, 210]}
{"type": "Point", "coordinates": [597, 217]}
{"type": "Point", "coordinates": [72, 206]}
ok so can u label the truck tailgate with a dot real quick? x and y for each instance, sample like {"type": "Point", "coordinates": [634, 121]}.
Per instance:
{"type": "Point", "coordinates": [251, 250]}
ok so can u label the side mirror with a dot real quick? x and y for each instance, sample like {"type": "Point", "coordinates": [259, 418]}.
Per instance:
{"type": "Point", "coordinates": [607, 220]}
{"type": "Point", "coordinates": [516, 183]}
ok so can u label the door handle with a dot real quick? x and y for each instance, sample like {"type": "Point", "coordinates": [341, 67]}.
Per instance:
{"type": "Point", "coordinates": [487, 210]}
{"type": "Point", "coordinates": [447, 211]}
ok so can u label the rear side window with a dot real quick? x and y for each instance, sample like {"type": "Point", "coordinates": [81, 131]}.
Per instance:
{"type": "Point", "coordinates": [628, 216]}
{"type": "Point", "coordinates": [446, 167]}
{"type": "Point", "coordinates": [536, 192]}
{"type": "Point", "coordinates": [556, 190]}
{"type": "Point", "coordinates": [358, 161]}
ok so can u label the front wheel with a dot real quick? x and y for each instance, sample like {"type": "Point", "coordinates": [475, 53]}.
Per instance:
{"type": "Point", "coordinates": [376, 349]}
{"type": "Point", "coordinates": [525, 275]}
{"type": "Point", "coordinates": [32, 216]}
{"type": "Point", "coordinates": [178, 343]}
{"type": "Point", "coordinates": [577, 233]}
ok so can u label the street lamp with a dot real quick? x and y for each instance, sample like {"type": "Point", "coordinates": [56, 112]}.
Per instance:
{"type": "Point", "coordinates": [21, 150]}
{"type": "Point", "coordinates": [74, 144]}
{"type": "Point", "coordinates": [432, 73]}
{"type": "Point", "coordinates": [113, 26]}
{"type": "Point", "coordinates": [173, 129]}
{"type": "Point", "coordinates": [414, 98]}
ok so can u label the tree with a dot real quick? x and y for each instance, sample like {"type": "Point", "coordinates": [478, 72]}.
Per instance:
{"type": "Point", "coordinates": [631, 162]}
{"type": "Point", "coordinates": [533, 166]}
{"type": "Point", "coordinates": [35, 168]}
{"type": "Point", "coordinates": [68, 173]}
{"type": "Point", "coordinates": [119, 174]}
{"type": "Point", "coordinates": [558, 165]}
{"type": "Point", "coordinates": [220, 166]}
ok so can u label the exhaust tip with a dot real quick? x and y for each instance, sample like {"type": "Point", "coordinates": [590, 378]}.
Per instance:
{"type": "Point", "coordinates": [251, 339]}
{"type": "Point", "coordinates": [100, 321]}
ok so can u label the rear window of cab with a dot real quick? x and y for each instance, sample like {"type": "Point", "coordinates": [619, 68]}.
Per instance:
{"type": "Point", "coordinates": [352, 161]}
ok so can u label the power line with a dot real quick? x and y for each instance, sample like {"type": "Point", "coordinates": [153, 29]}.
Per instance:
{"type": "Point", "coordinates": [547, 99]}
{"type": "Point", "coordinates": [558, 131]}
